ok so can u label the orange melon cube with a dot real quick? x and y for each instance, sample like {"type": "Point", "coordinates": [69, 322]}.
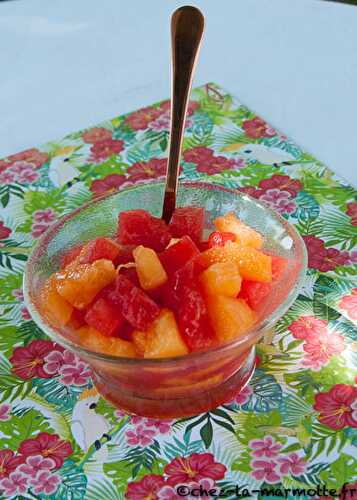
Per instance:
{"type": "Point", "coordinates": [245, 235]}
{"type": "Point", "coordinates": [81, 284]}
{"type": "Point", "coordinates": [149, 268]}
{"type": "Point", "coordinates": [253, 265]}
{"type": "Point", "coordinates": [230, 317]}
{"type": "Point", "coordinates": [163, 337]}
{"type": "Point", "coordinates": [93, 340]}
{"type": "Point", "coordinates": [57, 308]}
{"type": "Point", "coordinates": [139, 340]}
{"type": "Point", "coordinates": [222, 278]}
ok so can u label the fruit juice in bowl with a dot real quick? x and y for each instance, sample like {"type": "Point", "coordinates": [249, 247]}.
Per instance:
{"type": "Point", "coordinates": [166, 316]}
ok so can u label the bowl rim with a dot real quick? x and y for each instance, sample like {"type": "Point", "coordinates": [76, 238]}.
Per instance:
{"type": "Point", "coordinates": [264, 324]}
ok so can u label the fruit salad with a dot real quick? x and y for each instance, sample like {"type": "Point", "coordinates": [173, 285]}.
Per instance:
{"type": "Point", "coordinates": [161, 290]}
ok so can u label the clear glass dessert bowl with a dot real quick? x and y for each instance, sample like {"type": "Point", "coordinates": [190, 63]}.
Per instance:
{"type": "Point", "coordinates": [176, 386]}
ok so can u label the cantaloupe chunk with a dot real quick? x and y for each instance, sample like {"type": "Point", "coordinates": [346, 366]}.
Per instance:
{"type": "Point", "coordinates": [57, 308]}
{"type": "Point", "coordinates": [230, 317]}
{"type": "Point", "coordinates": [139, 340]}
{"type": "Point", "coordinates": [81, 284]}
{"type": "Point", "coordinates": [221, 278]}
{"type": "Point", "coordinates": [244, 234]}
{"type": "Point", "coordinates": [163, 338]}
{"type": "Point", "coordinates": [252, 264]}
{"type": "Point", "coordinates": [149, 268]}
{"type": "Point", "coordinates": [95, 341]}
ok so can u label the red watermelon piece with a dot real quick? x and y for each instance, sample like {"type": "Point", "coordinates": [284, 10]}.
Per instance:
{"type": "Point", "coordinates": [77, 318]}
{"type": "Point", "coordinates": [105, 317]}
{"type": "Point", "coordinates": [219, 239]}
{"type": "Point", "coordinates": [131, 274]}
{"type": "Point", "coordinates": [139, 227]}
{"type": "Point", "coordinates": [188, 221]}
{"type": "Point", "coordinates": [177, 255]}
{"type": "Point", "coordinates": [135, 305]}
{"type": "Point", "coordinates": [100, 248]}
{"type": "Point", "coordinates": [255, 293]}
{"type": "Point", "coordinates": [69, 256]}
{"type": "Point", "coordinates": [125, 255]}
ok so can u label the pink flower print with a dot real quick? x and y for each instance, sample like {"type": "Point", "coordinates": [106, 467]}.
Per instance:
{"type": "Point", "coordinates": [7, 177]}
{"type": "Point", "coordinates": [279, 200]}
{"type": "Point", "coordinates": [26, 316]}
{"type": "Point", "coordinates": [45, 482]}
{"type": "Point", "coordinates": [28, 176]}
{"type": "Point", "coordinates": [163, 123]}
{"type": "Point", "coordinates": [38, 229]}
{"type": "Point", "coordinates": [135, 420]}
{"type": "Point", "coordinates": [292, 464]}
{"type": "Point", "coordinates": [348, 303]}
{"type": "Point", "coordinates": [194, 468]}
{"type": "Point", "coordinates": [18, 294]}
{"type": "Point", "coordinates": [162, 426]}
{"type": "Point", "coordinates": [265, 470]}
{"type": "Point", "coordinates": [5, 410]}
{"type": "Point", "coordinates": [305, 326]}
{"type": "Point", "coordinates": [120, 414]}
{"type": "Point", "coordinates": [243, 396]}
{"type": "Point", "coordinates": [140, 436]}
{"type": "Point", "coordinates": [320, 347]}
{"type": "Point", "coordinates": [266, 447]}
{"type": "Point", "coordinates": [146, 488]}
{"type": "Point", "coordinates": [35, 464]}
{"type": "Point", "coordinates": [203, 485]}
{"type": "Point", "coordinates": [354, 412]}
{"type": "Point", "coordinates": [77, 375]}
{"type": "Point", "coordinates": [168, 493]}
{"type": "Point", "coordinates": [48, 215]}
{"type": "Point", "coordinates": [53, 362]}
{"type": "Point", "coordinates": [15, 484]}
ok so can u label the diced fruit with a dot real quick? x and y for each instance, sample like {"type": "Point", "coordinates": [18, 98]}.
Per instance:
{"type": "Point", "coordinates": [54, 304]}
{"type": "Point", "coordinates": [175, 256]}
{"type": "Point", "coordinates": [125, 255]}
{"type": "Point", "coordinates": [79, 286]}
{"type": "Point", "coordinates": [222, 278]}
{"type": "Point", "coordinates": [218, 239]}
{"type": "Point", "coordinates": [252, 264]}
{"type": "Point", "coordinates": [149, 268]}
{"type": "Point", "coordinates": [131, 274]}
{"type": "Point", "coordinates": [136, 306]}
{"type": "Point", "coordinates": [77, 318]}
{"type": "Point", "coordinates": [105, 317]}
{"type": "Point", "coordinates": [255, 293]}
{"type": "Point", "coordinates": [70, 256]}
{"type": "Point", "coordinates": [126, 331]}
{"type": "Point", "coordinates": [163, 338]}
{"type": "Point", "coordinates": [139, 340]}
{"type": "Point", "coordinates": [100, 248]}
{"type": "Point", "coordinates": [95, 341]}
{"type": "Point", "coordinates": [245, 235]}
{"type": "Point", "coordinates": [188, 221]}
{"type": "Point", "coordinates": [138, 227]}
{"type": "Point", "coordinates": [230, 317]}
{"type": "Point", "coordinates": [193, 319]}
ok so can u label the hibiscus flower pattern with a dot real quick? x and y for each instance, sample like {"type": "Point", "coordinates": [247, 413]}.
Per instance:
{"type": "Point", "coordinates": [296, 418]}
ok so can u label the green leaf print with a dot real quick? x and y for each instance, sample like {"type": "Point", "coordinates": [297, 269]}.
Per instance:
{"type": "Point", "coordinates": [342, 471]}
{"type": "Point", "coordinates": [12, 387]}
{"type": "Point", "coordinates": [105, 489]}
{"type": "Point", "coordinates": [182, 448]}
{"type": "Point", "coordinates": [56, 393]}
{"type": "Point", "coordinates": [73, 483]}
{"type": "Point", "coordinates": [206, 433]}
{"type": "Point", "coordinates": [9, 283]}
{"type": "Point", "coordinates": [267, 393]}
{"type": "Point", "coordinates": [256, 425]}
{"type": "Point", "coordinates": [40, 200]}
{"type": "Point", "coordinates": [21, 427]}
{"type": "Point", "coordinates": [142, 460]}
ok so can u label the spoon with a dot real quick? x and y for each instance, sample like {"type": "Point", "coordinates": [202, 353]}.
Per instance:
{"type": "Point", "coordinates": [187, 25]}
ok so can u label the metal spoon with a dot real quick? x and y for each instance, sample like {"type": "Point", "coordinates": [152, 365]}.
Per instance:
{"type": "Point", "coordinates": [187, 25]}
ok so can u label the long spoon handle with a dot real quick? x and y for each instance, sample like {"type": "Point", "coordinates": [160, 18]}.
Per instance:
{"type": "Point", "coordinates": [187, 25]}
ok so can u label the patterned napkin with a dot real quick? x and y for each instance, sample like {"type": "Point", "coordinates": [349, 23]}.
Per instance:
{"type": "Point", "coordinates": [293, 426]}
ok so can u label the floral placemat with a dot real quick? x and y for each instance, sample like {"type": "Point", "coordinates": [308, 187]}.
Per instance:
{"type": "Point", "coordinates": [293, 427]}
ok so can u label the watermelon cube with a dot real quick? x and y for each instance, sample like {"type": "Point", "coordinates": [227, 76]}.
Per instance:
{"type": "Point", "coordinates": [105, 317]}
{"type": "Point", "coordinates": [125, 255]}
{"type": "Point", "coordinates": [193, 319]}
{"type": "Point", "coordinates": [70, 255]}
{"type": "Point", "coordinates": [131, 274]}
{"type": "Point", "coordinates": [77, 319]}
{"type": "Point", "coordinates": [100, 248]}
{"type": "Point", "coordinates": [188, 221]}
{"type": "Point", "coordinates": [177, 255]}
{"type": "Point", "coordinates": [254, 292]}
{"type": "Point", "coordinates": [218, 239]}
{"type": "Point", "coordinates": [139, 227]}
{"type": "Point", "coordinates": [135, 305]}
{"type": "Point", "coordinates": [126, 331]}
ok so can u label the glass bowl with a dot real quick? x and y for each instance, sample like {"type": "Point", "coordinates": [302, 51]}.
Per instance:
{"type": "Point", "coordinates": [186, 385]}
